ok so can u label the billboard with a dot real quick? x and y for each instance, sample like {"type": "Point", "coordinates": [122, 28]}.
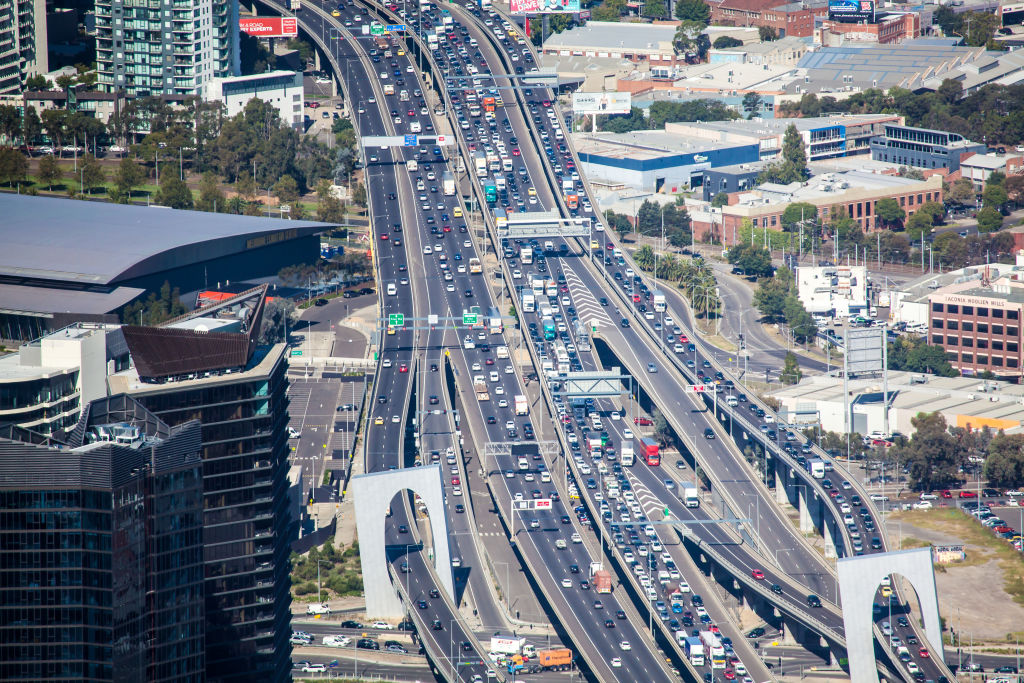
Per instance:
{"type": "Point", "coordinates": [851, 10]}
{"type": "Point", "coordinates": [584, 103]}
{"type": "Point", "coordinates": [270, 27]}
{"type": "Point", "coordinates": [864, 350]}
{"type": "Point", "coordinates": [544, 6]}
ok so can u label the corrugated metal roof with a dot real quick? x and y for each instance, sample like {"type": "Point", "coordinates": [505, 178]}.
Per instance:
{"type": "Point", "coordinates": [96, 243]}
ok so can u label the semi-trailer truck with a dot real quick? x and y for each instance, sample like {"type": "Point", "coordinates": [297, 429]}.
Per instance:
{"type": "Point", "coordinates": [603, 581]}
{"type": "Point", "coordinates": [694, 650]}
{"type": "Point", "coordinates": [547, 660]}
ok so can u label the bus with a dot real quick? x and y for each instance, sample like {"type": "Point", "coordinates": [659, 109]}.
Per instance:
{"type": "Point", "coordinates": [562, 356]}
{"type": "Point", "coordinates": [490, 192]}
{"type": "Point", "coordinates": [549, 328]}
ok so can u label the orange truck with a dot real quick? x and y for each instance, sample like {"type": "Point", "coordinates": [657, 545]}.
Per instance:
{"type": "Point", "coordinates": [489, 104]}
{"type": "Point", "coordinates": [603, 581]}
{"type": "Point", "coordinates": [547, 660]}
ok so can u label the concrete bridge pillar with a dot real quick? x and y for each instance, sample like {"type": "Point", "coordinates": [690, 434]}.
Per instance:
{"type": "Point", "coordinates": [806, 524]}
{"type": "Point", "coordinates": [830, 544]}
{"type": "Point", "coordinates": [781, 479]}
{"type": "Point", "coordinates": [788, 632]}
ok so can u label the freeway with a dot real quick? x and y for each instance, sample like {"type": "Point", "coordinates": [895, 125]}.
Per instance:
{"type": "Point", "coordinates": [387, 179]}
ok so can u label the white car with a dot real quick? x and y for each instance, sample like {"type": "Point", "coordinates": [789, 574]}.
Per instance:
{"type": "Point", "coordinates": [616, 662]}
{"type": "Point", "coordinates": [616, 415]}
{"type": "Point", "coordinates": [382, 625]}
{"type": "Point", "coordinates": [314, 668]}
{"type": "Point", "coordinates": [566, 583]}
{"type": "Point", "coordinates": [517, 274]}
{"type": "Point", "coordinates": [337, 641]}
{"type": "Point", "coordinates": [627, 433]}
{"type": "Point", "coordinates": [624, 645]}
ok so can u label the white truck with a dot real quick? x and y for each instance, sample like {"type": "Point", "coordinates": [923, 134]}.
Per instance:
{"type": "Point", "coordinates": [480, 386]}
{"type": "Point", "coordinates": [529, 301]}
{"type": "Point", "coordinates": [690, 495]}
{"type": "Point", "coordinates": [448, 183]}
{"type": "Point", "coordinates": [506, 645]}
{"type": "Point", "coordinates": [627, 454]}
{"type": "Point", "coordinates": [522, 405]}
{"type": "Point", "coordinates": [526, 255]}
{"type": "Point", "coordinates": [658, 299]}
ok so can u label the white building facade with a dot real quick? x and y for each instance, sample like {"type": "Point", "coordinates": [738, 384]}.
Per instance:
{"type": "Point", "coordinates": [839, 291]}
{"type": "Point", "coordinates": [282, 89]}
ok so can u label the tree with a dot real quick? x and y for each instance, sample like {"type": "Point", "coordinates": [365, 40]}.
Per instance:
{"type": "Point", "coordinates": [359, 195]}
{"type": "Point", "coordinates": [796, 213]}
{"type": "Point", "coordinates": [931, 454]}
{"type": "Point", "coordinates": [49, 171]}
{"type": "Point", "coordinates": [752, 102]}
{"type": "Point", "coordinates": [791, 373]}
{"type": "Point", "coordinates": [10, 122]}
{"type": "Point", "coordinates": [329, 208]}
{"type": "Point", "coordinates": [13, 165]}
{"type": "Point", "coordinates": [889, 212]}
{"type": "Point", "coordinates": [950, 90]}
{"type": "Point", "coordinates": [245, 186]}
{"type": "Point", "coordinates": [919, 224]}
{"type": "Point", "coordinates": [792, 167]}
{"type": "Point", "coordinates": [767, 33]}
{"type": "Point", "coordinates": [618, 222]}
{"type": "Point", "coordinates": [721, 199]}
{"type": "Point", "coordinates": [644, 257]}
{"type": "Point", "coordinates": [655, 9]}
{"type": "Point", "coordinates": [38, 82]}
{"type": "Point", "coordinates": [609, 10]}
{"type": "Point", "coordinates": [624, 123]}
{"type": "Point", "coordinates": [1014, 187]}
{"type": "Point", "coordinates": [128, 176]}
{"type": "Point", "coordinates": [690, 40]}
{"type": "Point", "coordinates": [286, 189]}
{"type": "Point", "coordinates": [725, 42]}
{"type": "Point", "coordinates": [914, 354]}
{"type": "Point", "coordinates": [1004, 465]}
{"type": "Point", "coordinates": [693, 10]}
{"type": "Point", "coordinates": [751, 259]}
{"type": "Point", "coordinates": [210, 196]}
{"type": "Point", "coordinates": [55, 121]}
{"type": "Point", "coordinates": [174, 192]}
{"type": "Point", "coordinates": [962, 192]}
{"type": "Point", "coordinates": [92, 173]}
{"type": "Point", "coordinates": [989, 220]}
{"type": "Point", "coordinates": [770, 298]}
{"type": "Point", "coordinates": [994, 196]}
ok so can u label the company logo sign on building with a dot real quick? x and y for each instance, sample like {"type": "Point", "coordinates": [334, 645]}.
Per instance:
{"type": "Point", "coordinates": [270, 27]}
{"type": "Point", "coordinates": [544, 6]}
{"type": "Point", "coordinates": [851, 10]}
{"type": "Point", "coordinates": [584, 103]}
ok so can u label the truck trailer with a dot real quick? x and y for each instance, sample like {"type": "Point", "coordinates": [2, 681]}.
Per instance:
{"type": "Point", "coordinates": [690, 495]}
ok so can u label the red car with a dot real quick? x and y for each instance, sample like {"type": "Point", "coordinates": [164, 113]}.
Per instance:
{"type": "Point", "coordinates": [684, 339]}
{"type": "Point", "coordinates": [757, 574]}
{"type": "Point", "coordinates": [924, 653]}
{"type": "Point", "coordinates": [730, 675]}
{"type": "Point", "coordinates": [455, 481]}
{"type": "Point", "coordinates": [403, 368]}
{"type": "Point", "coordinates": [947, 494]}
{"type": "Point", "coordinates": [383, 235]}
{"type": "Point", "coordinates": [643, 421]}
{"type": "Point", "coordinates": [967, 494]}
{"type": "Point", "coordinates": [515, 151]}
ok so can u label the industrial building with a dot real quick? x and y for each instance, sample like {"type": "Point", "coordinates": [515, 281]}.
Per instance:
{"type": "Point", "coordinates": [281, 89]}
{"type": "Point", "coordinates": [655, 161]}
{"type": "Point", "coordinates": [833, 291]}
{"type": "Point", "coordinates": [788, 19]}
{"type": "Point", "coordinates": [637, 43]}
{"type": "Point", "coordinates": [58, 268]}
{"type": "Point", "coordinates": [964, 402]}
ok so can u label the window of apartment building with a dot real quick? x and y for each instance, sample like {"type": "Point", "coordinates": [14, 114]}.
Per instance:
{"type": "Point", "coordinates": [928, 195]}
{"type": "Point", "coordinates": [997, 345]}
{"type": "Point", "coordinates": [1011, 331]}
{"type": "Point", "coordinates": [997, 329]}
{"type": "Point", "coordinates": [983, 328]}
{"type": "Point", "coordinates": [981, 360]}
{"type": "Point", "coordinates": [953, 341]}
{"type": "Point", "coordinates": [952, 325]}
{"type": "Point", "coordinates": [952, 308]}
{"type": "Point", "coordinates": [1012, 346]}
{"type": "Point", "coordinates": [997, 361]}
{"type": "Point", "coordinates": [967, 326]}
{"type": "Point", "coordinates": [903, 201]}
{"type": "Point", "coordinates": [983, 343]}
{"type": "Point", "coordinates": [982, 311]}
{"type": "Point", "coordinates": [968, 310]}
{"type": "Point", "coordinates": [997, 313]}
{"type": "Point", "coordinates": [937, 323]}
{"type": "Point", "coordinates": [965, 357]}
{"type": "Point", "coordinates": [918, 199]}
{"type": "Point", "coordinates": [937, 308]}
{"type": "Point", "coordinates": [937, 339]}
{"type": "Point", "coordinates": [969, 342]}
{"type": "Point", "coordinates": [1012, 315]}
{"type": "Point", "coordinates": [1011, 362]}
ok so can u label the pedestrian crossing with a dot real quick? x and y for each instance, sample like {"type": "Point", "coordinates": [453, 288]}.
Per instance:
{"type": "Point", "coordinates": [587, 307]}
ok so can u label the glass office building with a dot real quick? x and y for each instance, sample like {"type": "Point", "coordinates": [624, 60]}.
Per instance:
{"type": "Point", "coordinates": [101, 550]}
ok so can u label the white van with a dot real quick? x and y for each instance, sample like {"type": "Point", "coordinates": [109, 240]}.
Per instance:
{"type": "Point", "coordinates": [392, 289]}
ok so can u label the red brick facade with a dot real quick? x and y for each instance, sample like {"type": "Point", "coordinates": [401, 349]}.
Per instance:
{"type": "Point", "coordinates": [797, 22]}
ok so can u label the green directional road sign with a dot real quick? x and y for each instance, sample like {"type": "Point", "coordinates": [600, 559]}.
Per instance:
{"type": "Point", "coordinates": [376, 29]}
{"type": "Point", "coordinates": [296, 352]}
{"type": "Point", "coordinates": [469, 318]}
{"type": "Point", "coordinates": [396, 319]}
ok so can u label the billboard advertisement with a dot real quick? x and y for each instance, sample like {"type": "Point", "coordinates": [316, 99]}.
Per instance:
{"type": "Point", "coordinates": [584, 103]}
{"type": "Point", "coordinates": [544, 6]}
{"type": "Point", "coordinates": [270, 27]}
{"type": "Point", "coordinates": [851, 10]}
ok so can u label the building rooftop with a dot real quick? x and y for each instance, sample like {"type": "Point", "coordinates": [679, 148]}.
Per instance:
{"type": "Point", "coordinates": [990, 161]}
{"type": "Point", "coordinates": [611, 35]}
{"type": "Point", "coordinates": [98, 243]}
{"type": "Point", "coordinates": [821, 186]}
{"type": "Point", "coordinates": [728, 76]}
{"type": "Point", "coordinates": [641, 145]}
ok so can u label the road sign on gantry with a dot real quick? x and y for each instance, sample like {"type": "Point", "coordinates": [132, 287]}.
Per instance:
{"type": "Point", "coordinates": [697, 388]}
{"type": "Point", "coordinates": [396, 319]}
{"type": "Point", "coordinates": [469, 318]}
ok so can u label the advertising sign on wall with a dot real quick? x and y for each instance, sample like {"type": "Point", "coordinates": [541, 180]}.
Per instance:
{"type": "Point", "coordinates": [851, 10]}
{"type": "Point", "coordinates": [544, 6]}
{"type": "Point", "coordinates": [584, 103]}
{"type": "Point", "coordinates": [270, 27]}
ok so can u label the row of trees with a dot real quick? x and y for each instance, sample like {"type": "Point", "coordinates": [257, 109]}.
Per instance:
{"type": "Point", "coordinates": [938, 456]}
{"type": "Point", "coordinates": [664, 112]}
{"type": "Point", "coordinates": [776, 299]}
{"type": "Point", "coordinates": [994, 113]}
{"type": "Point", "coordinates": [693, 276]}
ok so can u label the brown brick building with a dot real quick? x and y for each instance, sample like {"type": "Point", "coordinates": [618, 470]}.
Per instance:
{"type": "Point", "coordinates": [978, 323]}
{"type": "Point", "coordinates": [788, 19]}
